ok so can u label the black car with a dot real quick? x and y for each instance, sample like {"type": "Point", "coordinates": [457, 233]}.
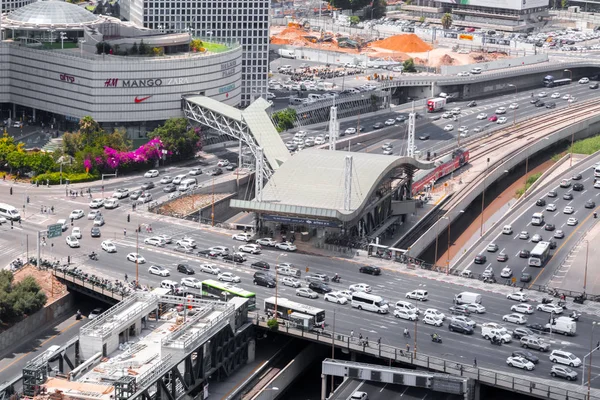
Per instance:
{"type": "Point", "coordinates": [552, 244]}
{"type": "Point", "coordinates": [540, 202]}
{"type": "Point", "coordinates": [568, 196]}
{"type": "Point", "coordinates": [551, 105]}
{"type": "Point", "coordinates": [264, 280]}
{"type": "Point", "coordinates": [135, 194]}
{"type": "Point", "coordinates": [95, 232]}
{"type": "Point", "coordinates": [185, 269]}
{"type": "Point", "coordinates": [472, 103]}
{"type": "Point", "coordinates": [535, 101]}
{"type": "Point", "coordinates": [590, 204]}
{"type": "Point", "coordinates": [525, 277]}
{"type": "Point", "coordinates": [576, 177]}
{"type": "Point", "coordinates": [147, 185]}
{"type": "Point", "coordinates": [538, 328]}
{"type": "Point", "coordinates": [552, 193]}
{"type": "Point", "coordinates": [540, 104]}
{"type": "Point", "coordinates": [319, 287]}
{"type": "Point", "coordinates": [424, 137]}
{"type": "Point", "coordinates": [518, 333]}
{"type": "Point", "coordinates": [594, 85]}
{"type": "Point", "coordinates": [169, 188]}
{"type": "Point", "coordinates": [461, 327]}
{"type": "Point", "coordinates": [480, 259]}
{"type": "Point", "coordinates": [236, 258]}
{"type": "Point", "coordinates": [549, 227]}
{"type": "Point", "coordinates": [526, 355]}
{"type": "Point", "coordinates": [208, 253]}
{"type": "Point", "coordinates": [378, 125]}
{"type": "Point", "coordinates": [216, 171]}
{"type": "Point", "coordinates": [260, 265]}
{"type": "Point", "coordinates": [524, 254]}
{"type": "Point", "coordinates": [578, 187]}
{"type": "Point", "coordinates": [369, 269]}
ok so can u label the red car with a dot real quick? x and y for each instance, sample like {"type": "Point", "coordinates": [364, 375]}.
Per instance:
{"type": "Point", "coordinates": [470, 29]}
{"type": "Point", "coordinates": [493, 118]}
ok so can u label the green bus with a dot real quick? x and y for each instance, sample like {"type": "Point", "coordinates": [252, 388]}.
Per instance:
{"type": "Point", "coordinates": [224, 291]}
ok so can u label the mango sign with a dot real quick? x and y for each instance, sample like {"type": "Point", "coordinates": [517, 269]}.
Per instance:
{"type": "Point", "coordinates": [465, 37]}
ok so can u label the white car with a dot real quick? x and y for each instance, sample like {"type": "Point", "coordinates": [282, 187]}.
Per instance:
{"type": "Point", "coordinates": [191, 282]}
{"type": "Point", "coordinates": [555, 95]}
{"type": "Point", "coordinates": [513, 106]}
{"type": "Point", "coordinates": [166, 238]}
{"type": "Point", "coordinates": [220, 250]}
{"type": "Point", "coordinates": [522, 308]}
{"type": "Point", "coordinates": [462, 128]}
{"type": "Point", "coordinates": [250, 248]}
{"type": "Point", "coordinates": [390, 122]}
{"type": "Point", "coordinates": [222, 163]}
{"type": "Point", "coordinates": [229, 277]}
{"type": "Point", "coordinates": [597, 185]}
{"type": "Point", "coordinates": [350, 131]}
{"type": "Point", "coordinates": [565, 357]}
{"type": "Point", "coordinates": [449, 127]}
{"type": "Point", "coordinates": [506, 272]}
{"type": "Point", "coordinates": [551, 207]}
{"type": "Point", "coordinates": [435, 313]}
{"type": "Point", "coordinates": [335, 297]}
{"type": "Point", "coordinates": [266, 242]}
{"type": "Point", "coordinates": [572, 99]}
{"type": "Point", "coordinates": [158, 270]}
{"type": "Point", "coordinates": [360, 287]}
{"type": "Point", "coordinates": [287, 246]}
{"type": "Point", "coordinates": [464, 73]}
{"type": "Point", "coordinates": [121, 193]}
{"type": "Point", "coordinates": [502, 120]}
{"type": "Point", "coordinates": [108, 246]}
{"type": "Point", "coordinates": [92, 214]}
{"type": "Point", "coordinates": [514, 318]}
{"type": "Point", "coordinates": [419, 294]}
{"type": "Point", "coordinates": [306, 292]}
{"type": "Point", "coordinates": [244, 237]}
{"type": "Point", "coordinates": [549, 308]}
{"type": "Point", "coordinates": [346, 293]}
{"type": "Point", "coordinates": [517, 296]}
{"type": "Point", "coordinates": [210, 268]}
{"type": "Point", "coordinates": [572, 221]}
{"type": "Point", "coordinates": [155, 241]}
{"type": "Point", "coordinates": [524, 235]}
{"type": "Point", "coordinates": [96, 203]}
{"type": "Point", "coordinates": [558, 234]}
{"type": "Point", "coordinates": [566, 97]}
{"type": "Point", "coordinates": [584, 80]}
{"type": "Point", "coordinates": [492, 247]}
{"type": "Point", "coordinates": [195, 171]}
{"type": "Point", "coordinates": [482, 116]}
{"type": "Point", "coordinates": [568, 210]}
{"type": "Point", "coordinates": [465, 320]}
{"type": "Point", "coordinates": [291, 282]}
{"type": "Point", "coordinates": [151, 174]}
{"type": "Point", "coordinates": [319, 140]}
{"type": "Point", "coordinates": [405, 314]}
{"type": "Point", "coordinates": [76, 232]}
{"type": "Point", "coordinates": [520, 362]}
{"type": "Point", "coordinates": [542, 94]}
{"type": "Point", "coordinates": [475, 308]}
{"type": "Point", "coordinates": [135, 257]}
{"type": "Point", "coordinates": [501, 110]}
{"type": "Point", "coordinates": [186, 242]}
{"type": "Point", "coordinates": [72, 241]}
{"type": "Point", "coordinates": [76, 214]}
{"type": "Point", "coordinates": [166, 179]}
{"type": "Point", "coordinates": [430, 319]}
{"type": "Point", "coordinates": [145, 197]}
{"type": "Point", "coordinates": [447, 115]}
{"type": "Point", "coordinates": [95, 313]}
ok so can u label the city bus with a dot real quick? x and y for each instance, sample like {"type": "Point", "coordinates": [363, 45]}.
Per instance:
{"type": "Point", "coordinates": [549, 81]}
{"type": "Point", "coordinates": [224, 292]}
{"type": "Point", "coordinates": [285, 309]}
{"type": "Point", "coordinates": [539, 254]}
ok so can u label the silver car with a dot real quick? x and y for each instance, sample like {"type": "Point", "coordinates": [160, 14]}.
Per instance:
{"type": "Point", "coordinates": [563, 372]}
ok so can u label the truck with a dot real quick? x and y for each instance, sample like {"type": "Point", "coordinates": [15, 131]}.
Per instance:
{"type": "Point", "coordinates": [285, 53]}
{"type": "Point", "coordinates": [436, 104]}
{"type": "Point", "coordinates": [564, 325]}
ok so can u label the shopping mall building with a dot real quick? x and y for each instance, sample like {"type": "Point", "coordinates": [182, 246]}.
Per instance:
{"type": "Point", "coordinates": [51, 72]}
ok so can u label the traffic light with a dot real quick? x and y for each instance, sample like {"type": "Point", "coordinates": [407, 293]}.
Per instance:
{"type": "Point", "coordinates": [11, 191]}
{"type": "Point", "coordinates": [128, 218]}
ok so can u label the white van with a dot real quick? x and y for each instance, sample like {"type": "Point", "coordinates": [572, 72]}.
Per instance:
{"type": "Point", "coordinates": [111, 203]}
{"type": "Point", "coordinates": [177, 180]}
{"type": "Point", "coordinates": [507, 230]}
{"type": "Point", "coordinates": [9, 212]}
{"type": "Point", "coordinates": [537, 219]}
{"type": "Point", "coordinates": [369, 302]}
{"type": "Point", "coordinates": [467, 298]}
{"type": "Point", "coordinates": [187, 184]}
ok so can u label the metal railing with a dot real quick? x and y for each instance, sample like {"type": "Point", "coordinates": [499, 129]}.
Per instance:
{"type": "Point", "coordinates": [115, 293]}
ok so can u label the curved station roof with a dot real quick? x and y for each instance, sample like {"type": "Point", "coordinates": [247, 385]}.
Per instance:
{"type": "Point", "coordinates": [49, 15]}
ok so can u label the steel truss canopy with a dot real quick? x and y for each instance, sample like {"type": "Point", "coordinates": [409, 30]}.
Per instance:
{"type": "Point", "coordinates": [253, 126]}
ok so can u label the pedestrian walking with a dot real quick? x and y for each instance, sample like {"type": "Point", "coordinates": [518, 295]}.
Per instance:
{"type": "Point", "coordinates": [126, 277]}
{"type": "Point", "coordinates": [125, 232]}
{"type": "Point", "coordinates": [407, 348]}
{"type": "Point", "coordinates": [475, 362]}
{"type": "Point", "coordinates": [352, 335]}
{"type": "Point", "coordinates": [52, 209]}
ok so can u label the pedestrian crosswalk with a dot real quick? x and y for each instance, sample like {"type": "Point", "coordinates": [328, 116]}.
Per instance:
{"type": "Point", "coordinates": [15, 248]}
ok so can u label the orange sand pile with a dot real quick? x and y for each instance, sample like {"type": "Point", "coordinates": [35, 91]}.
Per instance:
{"type": "Point", "coordinates": [276, 40]}
{"type": "Point", "coordinates": [409, 43]}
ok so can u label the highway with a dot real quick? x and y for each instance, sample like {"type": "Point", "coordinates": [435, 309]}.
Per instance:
{"type": "Point", "coordinates": [383, 391]}
{"type": "Point", "coordinates": [521, 221]}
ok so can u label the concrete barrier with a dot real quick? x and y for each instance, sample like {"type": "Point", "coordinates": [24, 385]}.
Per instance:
{"type": "Point", "coordinates": [498, 64]}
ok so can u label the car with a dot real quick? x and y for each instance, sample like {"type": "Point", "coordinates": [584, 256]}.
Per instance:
{"type": "Point", "coordinates": [424, 136]}
{"type": "Point", "coordinates": [478, 129]}
{"type": "Point", "coordinates": [536, 238]}
{"type": "Point", "coordinates": [568, 196]}
{"type": "Point", "coordinates": [513, 106]}
{"type": "Point", "coordinates": [552, 194]}
{"type": "Point", "coordinates": [76, 214]}
{"type": "Point", "coordinates": [465, 320]}
{"type": "Point", "coordinates": [553, 244]}
{"type": "Point", "coordinates": [320, 287]}
{"type": "Point", "coordinates": [250, 248]}
{"type": "Point", "coordinates": [158, 270]}
{"type": "Point", "coordinates": [578, 187]}
{"type": "Point", "coordinates": [522, 308]}
{"type": "Point", "coordinates": [76, 232]}
{"type": "Point", "coordinates": [520, 362]}
{"type": "Point", "coordinates": [72, 241]}
{"type": "Point", "coordinates": [472, 103]}
{"type": "Point", "coordinates": [551, 207]}
{"type": "Point", "coordinates": [369, 269]}
{"type": "Point", "coordinates": [447, 115]}
{"type": "Point", "coordinates": [435, 313]}
{"type": "Point", "coordinates": [418, 294]}
{"type": "Point", "coordinates": [229, 277]}
{"type": "Point", "coordinates": [166, 238]}
{"type": "Point", "coordinates": [506, 272]}
{"type": "Point", "coordinates": [563, 372]}
{"type": "Point", "coordinates": [535, 101]}
{"type": "Point", "coordinates": [260, 265]}
{"type": "Point", "coordinates": [565, 183]}
{"type": "Point", "coordinates": [191, 282]}
{"type": "Point", "coordinates": [136, 257]}
{"type": "Point", "coordinates": [95, 313]}
{"type": "Point", "coordinates": [360, 287]}
{"type": "Point", "coordinates": [108, 246]}
{"type": "Point", "coordinates": [459, 309]}
{"type": "Point", "coordinates": [461, 327]}
{"type": "Point", "coordinates": [166, 179]}
{"type": "Point", "coordinates": [462, 128]}
{"type": "Point", "coordinates": [524, 253]}
{"type": "Point", "coordinates": [555, 95]}
{"type": "Point", "coordinates": [405, 314]}
{"type": "Point", "coordinates": [525, 277]}
{"type": "Point", "coordinates": [177, 180]}
{"type": "Point", "coordinates": [155, 241]}
{"type": "Point", "coordinates": [244, 237]}
{"type": "Point", "coordinates": [287, 269]}
{"type": "Point", "coordinates": [210, 268]}
{"type": "Point", "coordinates": [291, 282]}
{"type": "Point", "coordinates": [350, 131]}
{"type": "Point", "coordinates": [572, 221]}
{"type": "Point", "coordinates": [306, 292]}
{"type": "Point", "coordinates": [482, 116]}
{"type": "Point", "coordinates": [480, 259]}
{"type": "Point", "coordinates": [234, 257]}
{"type": "Point", "coordinates": [529, 356]}
{"type": "Point", "coordinates": [262, 279]}
{"type": "Point", "coordinates": [449, 127]}
{"type": "Point", "coordinates": [378, 125]}
{"type": "Point", "coordinates": [151, 174]}
{"type": "Point", "coordinates": [266, 242]}
{"type": "Point", "coordinates": [594, 85]}
{"type": "Point", "coordinates": [135, 195]}
{"type": "Point", "coordinates": [388, 151]}
{"type": "Point", "coordinates": [502, 120]}
{"type": "Point", "coordinates": [551, 105]}
{"type": "Point", "coordinates": [170, 188]}
{"type": "Point", "coordinates": [572, 99]}
{"type": "Point", "coordinates": [359, 396]}
{"type": "Point", "coordinates": [147, 185]}
{"type": "Point", "coordinates": [430, 319]}
{"type": "Point", "coordinates": [590, 204]}
{"type": "Point", "coordinates": [502, 257]}
{"type": "Point", "coordinates": [568, 210]}
{"type": "Point", "coordinates": [316, 277]}
{"type": "Point", "coordinates": [564, 357]}
{"type": "Point", "coordinates": [514, 318]}
{"type": "Point", "coordinates": [540, 202]}
{"type": "Point", "coordinates": [475, 308]}
{"type": "Point", "coordinates": [390, 122]}
{"type": "Point", "coordinates": [145, 198]}
{"type": "Point", "coordinates": [521, 332]}
{"type": "Point", "coordinates": [493, 118]}
{"type": "Point", "coordinates": [542, 94]}
{"type": "Point", "coordinates": [501, 110]}
{"type": "Point", "coordinates": [287, 246]}
{"type": "Point", "coordinates": [584, 80]}
{"type": "Point", "coordinates": [549, 308]}
{"type": "Point", "coordinates": [222, 163]}
{"type": "Point", "coordinates": [492, 247]}
{"type": "Point", "coordinates": [540, 104]}
{"type": "Point", "coordinates": [96, 203]}
{"type": "Point", "coordinates": [121, 194]}
{"type": "Point", "coordinates": [215, 172]}
{"type": "Point", "coordinates": [400, 118]}
{"type": "Point", "coordinates": [95, 232]}
{"type": "Point", "coordinates": [524, 235]}
{"type": "Point", "coordinates": [518, 296]}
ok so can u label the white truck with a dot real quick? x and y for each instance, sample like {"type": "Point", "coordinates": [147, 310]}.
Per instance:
{"type": "Point", "coordinates": [564, 325]}
{"type": "Point", "coordinates": [467, 298]}
{"type": "Point", "coordinates": [436, 104]}
{"type": "Point", "coordinates": [491, 329]}
{"type": "Point", "coordinates": [285, 53]}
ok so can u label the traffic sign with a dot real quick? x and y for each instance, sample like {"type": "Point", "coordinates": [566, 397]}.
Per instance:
{"type": "Point", "coordinates": [54, 230]}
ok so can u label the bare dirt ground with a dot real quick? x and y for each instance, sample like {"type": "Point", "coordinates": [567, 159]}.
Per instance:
{"type": "Point", "coordinates": [50, 285]}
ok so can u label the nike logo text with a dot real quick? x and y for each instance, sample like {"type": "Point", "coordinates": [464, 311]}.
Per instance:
{"type": "Point", "coordinates": [140, 99]}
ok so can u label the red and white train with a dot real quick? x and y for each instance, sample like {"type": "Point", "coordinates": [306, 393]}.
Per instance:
{"type": "Point", "coordinates": [445, 165]}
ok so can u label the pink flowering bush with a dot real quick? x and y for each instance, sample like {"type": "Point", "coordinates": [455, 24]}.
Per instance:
{"type": "Point", "coordinates": [113, 159]}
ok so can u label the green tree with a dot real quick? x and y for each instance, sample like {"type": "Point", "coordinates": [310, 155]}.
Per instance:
{"type": "Point", "coordinates": [118, 140]}
{"type": "Point", "coordinates": [17, 300]}
{"type": "Point", "coordinates": [447, 21]}
{"type": "Point", "coordinates": [564, 3]}
{"type": "Point", "coordinates": [409, 65]}
{"type": "Point", "coordinates": [134, 48]}
{"type": "Point", "coordinates": [284, 119]}
{"type": "Point", "coordinates": [143, 48]}
{"type": "Point", "coordinates": [178, 138]}
{"type": "Point", "coordinates": [273, 324]}
{"type": "Point", "coordinates": [16, 160]}
{"type": "Point", "coordinates": [39, 162]}
{"type": "Point", "coordinates": [103, 48]}
{"type": "Point", "coordinates": [7, 146]}
{"type": "Point", "coordinates": [344, 4]}
{"type": "Point", "coordinates": [422, 19]}
{"type": "Point", "coordinates": [354, 20]}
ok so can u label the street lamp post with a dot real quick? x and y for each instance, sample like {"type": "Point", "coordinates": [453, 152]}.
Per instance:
{"type": "Point", "coordinates": [514, 109]}
{"type": "Point", "coordinates": [483, 196]}
{"type": "Point", "coordinates": [587, 248]}
{"type": "Point", "coordinates": [63, 36]}
{"type": "Point", "coordinates": [81, 42]}
{"type": "Point", "coordinates": [277, 279]}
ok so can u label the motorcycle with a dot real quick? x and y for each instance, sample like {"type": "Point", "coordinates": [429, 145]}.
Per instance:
{"type": "Point", "coordinates": [496, 342]}
{"type": "Point", "coordinates": [336, 279]}
{"type": "Point", "coordinates": [546, 301]}
{"type": "Point", "coordinates": [562, 304]}
{"type": "Point", "coordinates": [579, 299]}
{"type": "Point", "coordinates": [436, 339]}
{"type": "Point", "coordinates": [575, 316]}
{"type": "Point", "coordinates": [93, 256]}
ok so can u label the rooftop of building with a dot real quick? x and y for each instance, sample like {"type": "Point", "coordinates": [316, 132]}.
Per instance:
{"type": "Point", "coordinates": [51, 14]}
